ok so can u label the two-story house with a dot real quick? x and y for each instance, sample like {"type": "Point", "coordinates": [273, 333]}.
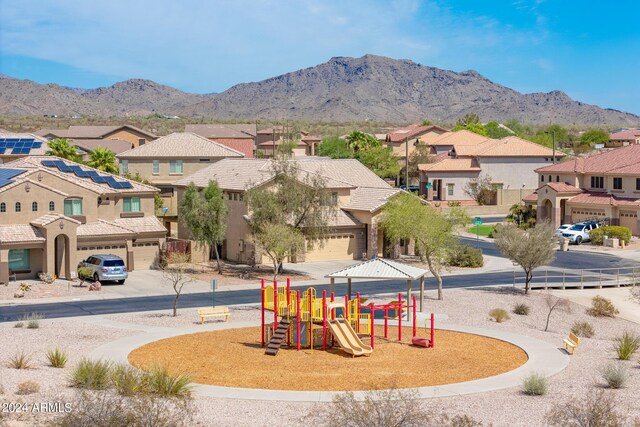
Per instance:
{"type": "Point", "coordinates": [240, 136]}
{"type": "Point", "coordinates": [268, 140]}
{"type": "Point", "coordinates": [55, 213]}
{"type": "Point", "coordinates": [105, 134]}
{"type": "Point", "coordinates": [358, 193]}
{"type": "Point", "coordinates": [604, 186]}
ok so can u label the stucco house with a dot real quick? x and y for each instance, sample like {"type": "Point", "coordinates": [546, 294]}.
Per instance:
{"type": "Point", "coordinates": [624, 137]}
{"type": "Point", "coordinates": [604, 186]}
{"type": "Point", "coordinates": [359, 194]}
{"type": "Point", "coordinates": [17, 145]}
{"type": "Point", "coordinates": [55, 213]}
{"type": "Point", "coordinates": [240, 136]}
{"type": "Point", "coordinates": [510, 163]}
{"type": "Point", "coordinates": [135, 136]}
{"type": "Point", "coordinates": [398, 139]}
{"type": "Point", "coordinates": [268, 140]}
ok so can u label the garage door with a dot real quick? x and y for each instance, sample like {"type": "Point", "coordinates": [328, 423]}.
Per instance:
{"type": "Point", "coordinates": [583, 214]}
{"type": "Point", "coordinates": [630, 219]}
{"type": "Point", "coordinates": [145, 255]}
{"type": "Point", "coordinates": [85, 252]}
{"type": "Point", "coordinates": [339, 247]}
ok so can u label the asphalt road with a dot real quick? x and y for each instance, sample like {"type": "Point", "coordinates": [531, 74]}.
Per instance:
{"type": "Point", "coordinates": [571, 259]}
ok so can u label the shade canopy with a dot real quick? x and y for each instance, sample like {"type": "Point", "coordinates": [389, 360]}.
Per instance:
{"type": "Point", "coordinates": [379, 268]}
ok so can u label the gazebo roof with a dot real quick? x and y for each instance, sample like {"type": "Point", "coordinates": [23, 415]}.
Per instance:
{"type": "Point", "coordinates": [379, 268]}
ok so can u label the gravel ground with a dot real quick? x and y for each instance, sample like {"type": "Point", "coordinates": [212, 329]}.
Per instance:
{"type": "Point", "coordinates": [59, 288]}
{"type": "Point", "coordinates": [462, 306]}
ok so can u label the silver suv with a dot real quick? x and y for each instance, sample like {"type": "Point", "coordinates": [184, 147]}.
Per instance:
{"type": "Point", "coordinates": [106, 267]}
{"type": "Point", "coordinates": [579, 232]}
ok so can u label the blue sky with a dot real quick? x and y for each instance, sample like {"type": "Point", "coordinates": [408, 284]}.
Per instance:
{"type": "Point", "coordinates": [588, 49]}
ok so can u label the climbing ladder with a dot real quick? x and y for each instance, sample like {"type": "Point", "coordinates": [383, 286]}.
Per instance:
{"type": "Point", "coordinates": [278, 337]}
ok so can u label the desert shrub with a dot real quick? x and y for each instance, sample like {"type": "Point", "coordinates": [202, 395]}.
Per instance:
{"type": "Point", "coordinates": [24, 287]}
{"type": "Point", "coordinates": [18, 325]}
{"type": "Point", "coordinates": [626, 345]}
{"type": "Point", "coordinates": [57, 358]}
{"type": "Point", "coordinates": [495, 230]}
{"type": "Point", "coordinates": [161, 382]}
{"type": "Point", "coordinates": [27, 387]}
{"type": "Point", "coordinates": [91, 374]}
{"type": "Point", "coordinates": [457, 421]}
{"type": "Point", "coordinates": [535, 385]}
{"type": "Point", "coordinates": [105, 409]}
{"type": "Point", "coordinates": [597, 409]}
{"type": "Point", "coordinates": [602, 307]}
{"type": "Point", "coordinates": [615, 375]}
{"type": "Point", "coordinates": [20, 361]}
{"type": "Point", "coordinates": [499, 315]}
{"type": "Point", "coordinates": [613, 231]}
{"type": "Point", "coordinates": [85, 273]}
{"type": "Point", "coordinates": [465, 256]}
{"type": "Point", "coordinates": [582, 328]}
{"type": "Point", "coordinates": [32, 320]}
{"type": "Point", "coordinates": [128, 381]}
{"type": "Point", "coordinates": [46, 277]}
{"type": "Point", "coordinates": [521, 309]}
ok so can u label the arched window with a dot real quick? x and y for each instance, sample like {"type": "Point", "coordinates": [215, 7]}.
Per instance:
{"type": "Point", "coordinates": [52, 206]}
{"type": "Point", "coordinates": [34, 207]}
{"type": "Point", "coordinates": [3, 207]}
{"type": "Point", "coordinates": [18, 207]}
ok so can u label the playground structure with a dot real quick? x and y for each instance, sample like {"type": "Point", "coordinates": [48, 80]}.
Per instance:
{"type": "Point", "coordinates": [304, 319]}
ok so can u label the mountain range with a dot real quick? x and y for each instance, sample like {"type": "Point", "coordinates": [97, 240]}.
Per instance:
{"type": "Point", "coordinates": [342, 89]}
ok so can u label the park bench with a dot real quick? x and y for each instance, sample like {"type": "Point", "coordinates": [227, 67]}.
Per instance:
{"type": "Point", "coordinates": [214, 312]}
{"type": "Point", "coordinates": [572, 342]}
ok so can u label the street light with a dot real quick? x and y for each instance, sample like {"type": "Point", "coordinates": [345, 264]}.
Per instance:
{"type": "Point", "coordinates": [553, 136]}
{"type": "Point", "coordinates": [406, 162]}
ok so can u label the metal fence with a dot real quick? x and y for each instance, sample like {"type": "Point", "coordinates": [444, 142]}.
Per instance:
{"type": "Point", "coordinates": [579, 279]}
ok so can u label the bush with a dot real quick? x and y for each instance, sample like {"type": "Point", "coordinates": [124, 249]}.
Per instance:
{"type": "Point", "coordinates": [27, 387]}
{"type": "Point", "coordinates": [499, 315]}
{"type": "Point", "coordinates": [32, 320]}
{"type": "Point", "coordinates": [535, 385]}
{"type": "Point", "coordinates": [18, 325]}
{"type": "Point", "coordinates": [128, 381]}
{"type": "Point", "coordinates": [602, 307]}
{"type": "Point", "coordinates": [597, 409]}
{"type": "Point", "coordinates": [90, 374]}
{"type": "Point", "coordinates": [615, 375]}
{"type": "Point", "coordinates": [465, 256]}
{"type": "Point", "coordinates": [495, 231]}
{"type": "Point", "coordinates": [20, 361]}
{"type": "Point", "coordinates": [85, 273]}
{"type": "Point", "coordinates": [613, 231]}
{"type": "Point", "coordinates": [521, 309]}
{"type": "Point", "coordinates": [46, 277]}
{"type": "Point", "coordinates": [164, 384]}
{"type": "Point", "coordinates": [57, 358]}
{"type": "Point", "coordinates": [626, 345]}
{"type": "Point", "coordinates": [582, 328]}
{"type": "Point", "coordinates": [458, 421]}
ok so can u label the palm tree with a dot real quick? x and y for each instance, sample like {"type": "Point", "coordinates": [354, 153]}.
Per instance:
{"type": "Point", "coordinates": [103, 159]}
{"type": "Point", "coordinates": [61, 147]}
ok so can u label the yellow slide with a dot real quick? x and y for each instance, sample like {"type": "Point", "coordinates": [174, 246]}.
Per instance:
{"type": "Point", "coordinates": [347, 338]}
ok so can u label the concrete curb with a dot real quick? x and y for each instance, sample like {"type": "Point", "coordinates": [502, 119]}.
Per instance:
{"type": "Point", "coordinates": [544, 358]}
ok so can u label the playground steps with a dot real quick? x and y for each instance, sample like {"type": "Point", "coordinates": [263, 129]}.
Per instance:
{"type": "Point", "coordinates": [278, 337]}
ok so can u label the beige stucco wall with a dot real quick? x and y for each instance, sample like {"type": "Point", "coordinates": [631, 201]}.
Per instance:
{"type": "Point", "coordinates": [129, 135]}
{"type": "Point", "coordinates": [513, 172]}
{"type": "Point", "coordinates": [545, 178]}
{"type": "Point", "coordinates": [145, 168]}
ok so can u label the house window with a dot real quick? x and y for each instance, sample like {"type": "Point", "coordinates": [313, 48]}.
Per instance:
{"type": "Point", "coordinates": [229, 196]}
{"type": "Point", "coordinates": [175, 166]}
{"type": "Point", "coordinates": [19, 259]}
{"type": "Point", "coordinates": [124, 166]}
{"type": "Point", "coordinates": [156, 167]}
{"type": "Point", "coordinates": [204, 160]}
{"type": "Point", "coordinates": [450, 189]}
{"type": "Point", "coordinates": [597, 182]}
{"type": "Point", "coordinates": [3, 207]}
{"type": "Point", "coordinates": [73, 207]}
{"type": "Point", "coordinates": [541, 178]}
{"type": "Point", "coordinates": [617, 183]}
{"type": "Point", "coordinates": [550, 178]}
{"type": "Point", "coordinates": [637, 185]}
{"type": "Point", "coordinates": [34, 207]}
{"type": "Point", "coordinates": [52, 206]}
{"type": "Point", "coordinates": [18, 207]}
{"type": "Point", "coordinates": [557, 178]}
{"type": "Point", "coordinates": [334, 198]}
{"type": "Point", "coordinates": [141, 141]}
{"type": "Point", "coordinates": [131, 204]}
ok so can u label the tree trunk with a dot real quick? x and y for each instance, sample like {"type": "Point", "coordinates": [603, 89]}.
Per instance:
{"type": "Point", "coordinates": [436, 275]}
{"type": "Point", "coordinates": [528, 278]}
{"type": "Point", "coordinates": [215, 251]}
{"type": "Point", "coordinates": [175, 305]}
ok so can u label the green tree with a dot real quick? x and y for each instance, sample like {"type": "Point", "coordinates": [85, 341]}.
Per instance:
{"type": "Point", "coordinates": [420, 155]}
{"type": "Point", "coordinates": [472, 127]}
{"type": "Point", "coordinates": [494, 130]}
{"type": "Point", "coordinates": [406, 217]}
{"type": "Point", "coordinates": [158, 203]}
{"type": "Point", "coordinates": [205, 216]}
{"type": "Point", "coordinates": [522, 216]}
{"type": "Point", "coordinates": [295, 203]}
{"type": "Point", "coordinates": [480, 189]}
{"type": "Point", "coordinates": [594, 136]}
{"type": "Point", "coordinates": [103, 159]}
{"type": "Point", "coordinates": [335, 148]}
{"type": "Point", "coordinates": [380, 160]}
{"type": "Point", "coordinates": [358, 141]}
{"type": "Point", "coordinates": [468, 119]}
{"type": "Point", "coordinates": [426, 123]}
{"type": "Point", "coordinates": [61, 147]}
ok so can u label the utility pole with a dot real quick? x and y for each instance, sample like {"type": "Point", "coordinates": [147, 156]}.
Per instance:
{"type": "Point", "coordinates": [553, 136]}
{"type": "Point", "coordinates": [406, 163]}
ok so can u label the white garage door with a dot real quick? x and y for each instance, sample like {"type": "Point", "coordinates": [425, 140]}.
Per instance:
{"type": "Point", "coordinates": [85, 252]}
{"type": "Point", "coordinates": [145, 255]}
{"type": "Point", "coordinates": [583, 214]}
{"type": "Point", "coordinates": [630, 219]}
{"type": "Point", "coordinates": [340, 247]}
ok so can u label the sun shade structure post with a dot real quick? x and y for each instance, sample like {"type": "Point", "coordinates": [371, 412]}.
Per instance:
{"type": "Point", "coordinates": [421, 292]}
{"type": "Point", "coordinates": [349, 288]}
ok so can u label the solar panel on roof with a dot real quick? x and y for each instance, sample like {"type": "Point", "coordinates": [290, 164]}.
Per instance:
{"type": "Point", "coordinates": [2, 150]}
{"type": "Point", "coordinates": [92, 173]}
{"type": "Point", "coordinates": [125, 184]}
{"type": "Point", "coordinates": [48, 163]}
{"type": "Point", "coordinates": [99, 179]}
{"type": "Point", "coordinates": [82, 174]}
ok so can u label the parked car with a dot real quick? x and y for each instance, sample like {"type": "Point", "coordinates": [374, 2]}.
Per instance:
{"type": "Point", "coordinates": [561, 229]}
{"type": "Point", "coordinates": [579, 232]}
{"type": "Point", "coordinates": [106, 267]}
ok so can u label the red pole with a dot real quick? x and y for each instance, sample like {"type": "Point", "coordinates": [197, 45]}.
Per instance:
{"type": "Point", "coordinates": [414, 316]}
{"type": "Point", "coordinates": [333, 316]}
{"type": "Point", "coordinates": [399, 316]}
{"type": "Point", "coordinates": [298, 321]}
{"type": "Point", "coordinates": [324, 320]}
{"type": "Point", "coordinates": [310, 319]}
{"type": "Point", "coordinates": [346, 305]}
{"type": "Point", "coordinates": [433, 321]}
{"type": "Point", "coordinates": [358, 312]}
{"type": "Point", "coordinates": [372, 325]}
{"type": "Point", "coordinates": [262, 309]}
{"type": "Point", "coordinates": [288, 310]}
{"type": "Point", "coordinates": [386, 318]}
{"type": "Point", "coordinates": [275, 305]}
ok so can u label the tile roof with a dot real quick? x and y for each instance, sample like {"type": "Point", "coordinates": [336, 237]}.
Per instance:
{"type": "Point", "coordinates": [380, 268]}
{"type": "Point", "coordinates": [180, 145]}
{"type": "Point", "coordinates": [533, 197]}
{"type": "Point", "coordinates": [589, 198]}
{"type": "Point", "coordinates": [623, 135]}
{"type": "Point", "coordinates": [460, 137]}
{"type": "Point", "coordinates": [103, 228]}
{"type": "Point", "coordinates": [90, 132]}
{"type": "Point", "coordinates": [227, 131]}
{"type": "Point", "coordinates": [370, 199]}
{"type": "Point", "coordinates": [562, 187]}
{"type": "Point", "coordinates": [34, 151]}
{"type": "Point", "coordinates": [623, 160]}
{"type": "Point", "coordinates": [451, 165]}
{"type": "Point", "coordinates": [145, 224]}
{"type": "Point", "coordinates": [20, 233]}
{"type": "Point", "coordinates": [411, 131]}
{"type": "Point", "coordinates": [116, 145]}
{"type": "Point", "coordinates": [51, 217]}
{"type": "Point", "coordinates": [245, 146]}
{"type": "Point", "coordinates": [512, 146]}
{"type": "Point", "coordinates": [343, 219]}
